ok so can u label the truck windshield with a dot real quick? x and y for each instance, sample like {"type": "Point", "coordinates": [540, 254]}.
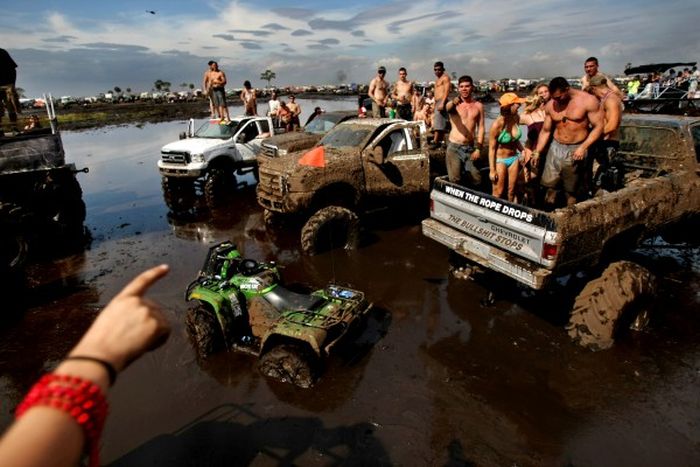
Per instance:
{"type": "Point", "coordinates": [346, 135]}
{"type": "Point", "coordinates": [322, 124]}
{"type": "Point", "coordinates": [213, 129]}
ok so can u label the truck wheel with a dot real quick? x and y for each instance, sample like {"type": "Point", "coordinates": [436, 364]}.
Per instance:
{"type": "Point", "coordinates": [272, 219]}
{"type": "Point", "coordinates": [178, 194]}
{"type": "Point", "coordinates": [66, 206]}
{"type": "Point", "coordinates": [330, 227]}
{"type": "Point", "coordinates": [289, 363]}
{"type": "Point", "coordinates": [606, 302]}
{"type": "Point", "coordinates": [204, 331]}
{"type": "Point", "coordinates": [219, 184]}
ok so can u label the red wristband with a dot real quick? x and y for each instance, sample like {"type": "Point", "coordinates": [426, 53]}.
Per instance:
{"type": "Point", "coordinates": [81, 399]}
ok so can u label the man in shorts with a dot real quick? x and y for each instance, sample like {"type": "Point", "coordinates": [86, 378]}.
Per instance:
{"type": "Point", "coordinates": [8, 93]}
{"type": "Point", "coordinates": [214, 82]}
{"type": "Point", "coordinates": [466, 136]}
{"type": "Point", "coordinates": [296, 111]}
{"type": "Point", "coordinates": [575, 119]}
{"type": "Point", "coordinates": [402, 93]}
{"type": "Point", "coordinates": [379, 92]}
{"type": "Point", "coordinates": [603, 150]}
{"type": "Point", "coordinates": [443, 86]}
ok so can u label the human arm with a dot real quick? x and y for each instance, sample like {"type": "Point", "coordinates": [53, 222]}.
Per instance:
{"type": "Point", "coordinates": [372, 89]}
{"type": "Point", "coordinates": [613, 116]}
{"type": "Point", "coordinates": [543, 139]}
{"type": "Point", "coordinates": [595, 118]}
{"type": "Point", "coordinates": [496, 128]}
{"type": "Point", "coordinates": [205, 82]}
{"type": "Point", "coordinates": [128, 327]}
{"type": "Point", "coordinates": [222, 79]}
{"type": "Point", "coordinates": [451, 106]}
{"type": "Point", "coordinates": [480, 133]}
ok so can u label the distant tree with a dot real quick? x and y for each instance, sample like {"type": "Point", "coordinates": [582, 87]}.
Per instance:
{"type": "Point", "coordinates": [128, 90]}
{"type": "Point", "coordinates": [183, 85]}
{"type": "Point", "coordinates": [166, 86]}
{"type": "Point", "coordinates": [192, 86]}
{"type": "Point", "coordinates": [117, 89]}
{"type": "Point", "coordinates": [158, 85]}
{"type": "Point", "coordinates": [268, 76]}
{"type": "Point", "coordinates": [20, 93]}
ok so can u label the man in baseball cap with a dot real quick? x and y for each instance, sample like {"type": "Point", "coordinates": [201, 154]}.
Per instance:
{"type": "Point", "coordinates": [379, 92]}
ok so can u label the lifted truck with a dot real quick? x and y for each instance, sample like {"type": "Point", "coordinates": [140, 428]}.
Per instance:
{"type": "Point", "coordinates": [659, 157]}
{"type": "Point", "coordinates": [357, 163]}
{"type": "Point", "coordinates": [210, 157]}
{"type": "Point", "coordinates": [281, 145]}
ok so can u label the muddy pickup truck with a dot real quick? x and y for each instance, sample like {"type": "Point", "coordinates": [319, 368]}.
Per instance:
{"type": "Point", "coordinates": [210, 157]}
{"type": "Point", "coordinates": [293, 141]}
{"type": "Point", "coordinates": [659, 193]}
{"type": "Point", "coordinates": [358, 163]}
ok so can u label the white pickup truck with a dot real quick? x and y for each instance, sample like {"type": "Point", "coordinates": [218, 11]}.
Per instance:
{"type": "Point", "coordinates": [210, 157]}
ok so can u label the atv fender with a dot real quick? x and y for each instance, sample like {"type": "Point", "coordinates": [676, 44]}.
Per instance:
{"type": "Point", "coordinates": [285, 331]}
{"type": "Point", "coordinates": [225, 315]}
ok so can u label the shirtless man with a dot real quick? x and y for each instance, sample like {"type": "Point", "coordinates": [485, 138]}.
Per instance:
{"type": "Point", "coordinates": [402, 92]}
{"type": "Point", "coordinates": [213, 84]}
{"type": "Point", "coordinates": [591, 69]}
{"type": "Point", "coordinates": [417, 103]}
{"type": "Point", "coordinates": [466, 136]}
{"type": "Point", "coordinates": [250, 101]}
{"type": "Point", "coordinates": [443, 86]}
{"type": "Point", "coordinates": [296, 111]}
{"type": "Point", "coordinates": [603, 150]}
{"type": "Point", "coordinates": [379, 92]}
{"type": "Point", "coordinates": [570, 113]}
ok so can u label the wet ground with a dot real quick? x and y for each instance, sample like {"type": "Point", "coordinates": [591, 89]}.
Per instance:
{"type": "Point", "coordinates": [436, 378]}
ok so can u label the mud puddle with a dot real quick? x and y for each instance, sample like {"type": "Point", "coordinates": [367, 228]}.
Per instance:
{"type": "Point", "coordinates": [436, 378]}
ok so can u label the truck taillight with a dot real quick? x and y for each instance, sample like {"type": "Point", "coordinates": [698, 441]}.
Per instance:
{"type": "Point", "coordinates": [549, 251]}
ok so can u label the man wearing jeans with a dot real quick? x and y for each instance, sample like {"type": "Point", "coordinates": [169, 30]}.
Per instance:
{"type": "Point", "coordinates": [466, 134]}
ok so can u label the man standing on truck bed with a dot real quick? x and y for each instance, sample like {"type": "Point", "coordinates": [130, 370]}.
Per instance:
{"type": "Point", "coordinates": [466, 136]}
{"type": "Point", "coordinates": [8, 92]}
{"type": "Point", "coordinates": [443, 86]}
{"type": "Point", "coordinates": [214, 82]}
{"type": "Point", "coordinates": [611, 105]}
{"type": "Point", "coordinates": [378, 92]}
{"type": "Point", "coordinates": [570, 113]}
{"type": "Point", "coordinates": [402, 93]}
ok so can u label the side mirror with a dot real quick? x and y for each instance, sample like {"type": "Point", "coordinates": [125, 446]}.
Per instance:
{"type": "Point", "coordinates": [240, 139]}
{"type": "Point", "coordinates": [376, 155]}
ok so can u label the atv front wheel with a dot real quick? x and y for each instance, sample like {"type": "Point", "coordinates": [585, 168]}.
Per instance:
{"type": "Point", "coordinates": [289, 363]}
{"type": "Point", "coordinates": [606, 302]}
{"type": "Point", "coordinates": [204, 331]}
{"type": "Point", "coordinates": [330, 227]}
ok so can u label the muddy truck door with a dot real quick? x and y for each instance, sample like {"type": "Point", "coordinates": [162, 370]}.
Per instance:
{"type": "Point", "coordinates": [394, 163]}
{"type": "Point", "coordinates": [517, 241]}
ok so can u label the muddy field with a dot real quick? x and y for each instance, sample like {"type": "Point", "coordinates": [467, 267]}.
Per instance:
{"type": "Point", "coordinates": [437, 377]}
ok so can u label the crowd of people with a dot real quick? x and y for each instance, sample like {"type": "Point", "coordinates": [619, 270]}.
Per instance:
{"type": "Point", "coordinates": [570, 133]}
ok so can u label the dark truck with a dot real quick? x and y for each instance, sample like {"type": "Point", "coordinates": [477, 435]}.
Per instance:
{"type": "Point", "coordinates": [358, 163]}
{"type": "Point", "coordinates": [281, 145]}
{"type": "Point", "coordinates": [660, 173]}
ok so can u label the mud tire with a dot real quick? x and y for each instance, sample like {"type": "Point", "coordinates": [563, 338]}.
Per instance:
{"type": "Point", "coordinates": [607, 301]}
{"type": "Point", "coordinates": [290, 363]}
{"type": "Point", "coordinates": [330, 227]}
{"type": "Point", "coordinates": [66, 207]}
{"type": "Point", "coordinates": [219, 184]}
{"type": "Point", "coordinates": [178, 194]}
{"type": "Point", "coordinates": [272, 219]}
{"type": "Point", "coordinates": [204, 331]}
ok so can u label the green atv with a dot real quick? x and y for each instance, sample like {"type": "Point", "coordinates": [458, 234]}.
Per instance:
{"type": "Point", "coordinates": [242, 306]}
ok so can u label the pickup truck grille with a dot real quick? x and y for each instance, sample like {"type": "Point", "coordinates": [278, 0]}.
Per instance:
{"type": "Point", "coordinates": [175, 157]}
{"type": "Point", "coordinates": [271, 188]}
{"type": "Point", "coordinates": [269, 150]}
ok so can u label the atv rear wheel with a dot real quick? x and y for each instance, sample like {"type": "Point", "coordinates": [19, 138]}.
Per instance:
{"type": "Point", "coordinates": [606, 302]}
{"type": "Point", "coordinates": [179, 194]}
{"type": "Point", "coordinates": [330, 227]}
{"type": "Point", "coordinates": [219, 184]}
{"type": "Point", "coordinates": [204, 331]}
{"type": "Point", "coordinates": [289, 363]}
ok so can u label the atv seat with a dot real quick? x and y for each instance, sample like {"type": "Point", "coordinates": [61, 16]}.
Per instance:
{"type": "Point", "coordinates": [284, 299]}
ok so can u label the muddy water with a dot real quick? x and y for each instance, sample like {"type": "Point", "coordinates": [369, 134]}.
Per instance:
{"type": "Point", "coordinates": [436, 378]}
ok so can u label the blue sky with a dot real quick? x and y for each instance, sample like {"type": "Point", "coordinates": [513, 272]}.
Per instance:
{"type": "Point", "coordinates": [81, 47]}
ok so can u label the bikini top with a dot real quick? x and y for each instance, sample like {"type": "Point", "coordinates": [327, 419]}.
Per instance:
{"type": "Point", "coordinates": [505, 137]}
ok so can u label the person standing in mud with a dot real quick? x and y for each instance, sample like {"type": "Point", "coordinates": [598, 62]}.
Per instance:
{"type": "Point", "coordinates": [575, 120]}
{"type": "Point", "coordinates": [591, 68]}
{"type": "Point", "coordinates": [8, 93]}
{"type": "Point", "coordinates": [296, 111]}
{"type": "Point", "coordinates": [466, 136]}
{"type": "Point", "coordinates": [379, 92]}
{"type": "Point", "coordinates": [249, 98]}
{"type": "Point", "coordinates": [443, 86]}
{"type": "Point", "coordinates": [604, 149]}
{"type": "Point", "coordinates": [214, 86]}
{"type": "Point", "coordinates": [402, 93]}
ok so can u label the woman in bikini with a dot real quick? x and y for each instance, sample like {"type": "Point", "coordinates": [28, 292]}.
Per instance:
{"type": "Point", "coordinates": [533, 116]}
{"type": "Point", "coordinates": [505, 147]}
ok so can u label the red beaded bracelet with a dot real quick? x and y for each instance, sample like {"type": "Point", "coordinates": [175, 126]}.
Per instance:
{"type": "Point", "coordinates": [81, 399]}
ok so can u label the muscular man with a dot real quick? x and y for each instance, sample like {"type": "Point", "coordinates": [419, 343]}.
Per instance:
{"type": "Point", "coordinates": [569, 113]}
{"type": "Point", "coordinates": [443, 86]}
{"type": "Point", "coordinates": [378, 92]}
{"type": "Point", "coordinates": [249, 98]}
{"type": "Point", "coordinates": [611, 105]}
{"type": "Point", "coordinates": [213, 84]}
{"type": "Point", "coordinates": [8, 92]}
{"type": "Point", "coordinates": [403, 93]}
{"type": "Point", "coordinates": [466, 136]}
{"type": "Point", "coordinates": [296, 111]}
{"type": "Point", "coordinates": [591, 69]}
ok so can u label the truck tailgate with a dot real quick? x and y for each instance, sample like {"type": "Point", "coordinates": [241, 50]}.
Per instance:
{"type": "Point", "coordinates": [513, 228]}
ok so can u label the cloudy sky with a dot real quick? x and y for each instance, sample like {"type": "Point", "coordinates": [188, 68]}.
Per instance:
{"type": "Point", "coordinates": [84, 47]}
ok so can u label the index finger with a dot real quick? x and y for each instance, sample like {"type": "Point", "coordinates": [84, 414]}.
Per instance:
{"type": "Point", "coordinates": [141, 283]}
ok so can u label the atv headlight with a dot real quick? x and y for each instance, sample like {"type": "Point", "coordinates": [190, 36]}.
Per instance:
{"type": "Point", "coordinates": [197, 157]}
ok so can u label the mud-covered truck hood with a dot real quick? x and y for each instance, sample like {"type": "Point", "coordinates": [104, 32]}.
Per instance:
{"type": "Point", "coordinates": [193, 145]}
{"type": "Point", "coordinates": [338, 164]}
{"type": "Point", "coordinates": [292, 141]}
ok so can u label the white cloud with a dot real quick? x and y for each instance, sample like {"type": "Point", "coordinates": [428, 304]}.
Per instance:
{"type": "Point", "coordinates": [540, 56]}
{"type": "Point", "coordinates": [479, 61]}
{"type": "Point", "coordinates": [614, 49]}
{"type": "Point", "coordinates": [578, 52]}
